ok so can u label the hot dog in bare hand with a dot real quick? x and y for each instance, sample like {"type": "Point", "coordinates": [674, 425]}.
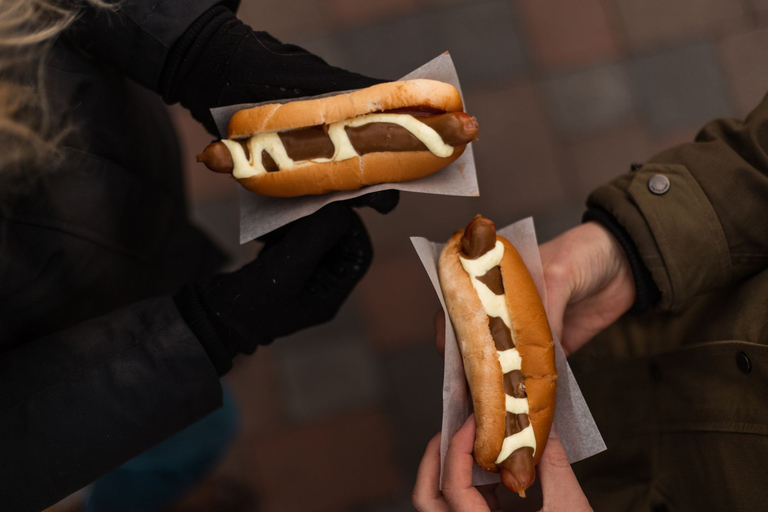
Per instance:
{"type": "Point", "coordinates": [507, 349]}
{"type": "Point", "coordinates": [389, 132]}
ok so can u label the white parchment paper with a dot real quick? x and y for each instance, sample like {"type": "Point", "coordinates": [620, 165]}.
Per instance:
{"type": "Point", "coordinates": [260, 215]}
{"type": "Point", "coordinates": [574, 423]}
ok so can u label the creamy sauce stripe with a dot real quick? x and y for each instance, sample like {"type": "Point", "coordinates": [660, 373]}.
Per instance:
{"type": "Point", "coordinates": [517, 405]}
{"type": "Point", "coordinates": [524, 438]}
{"type": "Point", "coordinates": [510, 360]}
{"type": "Point", "coordinates": [270, 142]}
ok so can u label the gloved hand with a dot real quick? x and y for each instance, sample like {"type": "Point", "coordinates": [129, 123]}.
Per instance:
{"type": "Point", "coordinates": [221, 61]}
{"type": "Point", "coordinates": [301, 277]}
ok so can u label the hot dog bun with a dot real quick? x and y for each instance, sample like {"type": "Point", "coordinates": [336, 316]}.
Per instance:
{"type": "Point", "coordinates": [313, 112]}
{"type": "Point", "coordinates": [346, 169]}
{"type": "Point", "coordinates": [480, 353]}
{"type": "Point", "coordinates": [350, 174]}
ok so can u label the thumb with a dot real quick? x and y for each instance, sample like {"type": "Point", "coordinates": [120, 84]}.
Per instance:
{"type": "Point", "coordinates": [559, 486]}
{"type": "Point", "coordinates": [558, 296]}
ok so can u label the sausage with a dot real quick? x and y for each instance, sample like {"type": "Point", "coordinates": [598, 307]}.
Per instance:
{"type": "Point", "coordinates": [517, 470]}
{"type": "Point", "coordinates": [507, 348]}
{"type": "Point", "coordinates": [455, 128]}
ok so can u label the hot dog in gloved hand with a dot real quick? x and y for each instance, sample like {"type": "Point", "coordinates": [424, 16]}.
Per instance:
{"type": "Point", "coordinates": [507, 348]}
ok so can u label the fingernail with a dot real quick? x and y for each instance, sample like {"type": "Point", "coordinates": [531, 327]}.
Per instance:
{"type": "Point", "coordinates": [469, 419]}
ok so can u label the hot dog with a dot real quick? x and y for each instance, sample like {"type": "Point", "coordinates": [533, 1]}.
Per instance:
{"type": "Point", "coordinates": [507, 349]}
{"type": "Point", "coordinates": [389, 132]}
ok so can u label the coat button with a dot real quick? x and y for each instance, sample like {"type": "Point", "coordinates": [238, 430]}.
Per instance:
{"type": "Point", "coordinates": [743, 362]}
{"type": "Point", "coordinates": [658, 184]}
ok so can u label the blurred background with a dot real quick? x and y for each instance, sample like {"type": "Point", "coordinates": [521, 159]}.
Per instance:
{"type": "Point", "coordinates": [567, 94]}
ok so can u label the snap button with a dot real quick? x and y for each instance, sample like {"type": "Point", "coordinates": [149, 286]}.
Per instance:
{"type": "Point", "coordinates": [658, 184]}
{"type": "Point", "coordinates": [743, 362]}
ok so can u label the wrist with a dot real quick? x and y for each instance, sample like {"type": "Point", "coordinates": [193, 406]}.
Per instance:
{"type": "Point", "coordinates": [626, 256]}
{"type": "Point", "coordinates": [196, 317]}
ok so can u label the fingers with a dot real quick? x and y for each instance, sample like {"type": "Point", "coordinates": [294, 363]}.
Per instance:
{"type": "Point", "coordinates": [439, 325]}
{"type": "Point", "coordinates": [383, 201]}
{"type": "Point", "coordinates": [457, 482]}
{"type": "Point", "coordinates": [302, 243]}
{"type": "Point", "coordinates": [426, 493]}
{"type": "Point", "coordinates": [559, 486]}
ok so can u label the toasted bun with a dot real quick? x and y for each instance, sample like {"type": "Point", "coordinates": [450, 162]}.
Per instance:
{"type": "Point", "coordinates": [350, 174]}
{"type": "Point", "coordinates": [481, 362]}
{"type": "Point", "coordinates": [478, 351]}
{"type": "Point", "coordinates": [346, 105]}
{"type": "Point", "coordinates": [534, 343]}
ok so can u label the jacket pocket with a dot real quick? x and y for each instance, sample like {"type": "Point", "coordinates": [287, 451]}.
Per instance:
{"type": "Point", "coordinates": [718, 386]}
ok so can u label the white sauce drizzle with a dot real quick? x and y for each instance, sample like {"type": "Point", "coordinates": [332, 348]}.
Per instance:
{"type": "Point", "coordinates": [517, 405]}
{"type": "Point", "coordinates": [524, 438]}
{"type": "Point", "coordinates": [270, 142]}
{"type": "Point", "coordinates": [510, 360]}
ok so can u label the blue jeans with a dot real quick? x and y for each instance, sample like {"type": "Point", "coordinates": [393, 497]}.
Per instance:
{"type": "Point", "coordinates": [154, 479]}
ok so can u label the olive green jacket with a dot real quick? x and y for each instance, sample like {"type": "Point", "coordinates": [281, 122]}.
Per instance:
{"type": "Point", "coordinates": [680, 393]}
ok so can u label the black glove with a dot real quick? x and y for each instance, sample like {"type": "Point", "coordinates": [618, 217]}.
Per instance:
{"type": "Point", "coordinates": [301, 277]}
{"type": "Point", "coordinates": [221, 61]}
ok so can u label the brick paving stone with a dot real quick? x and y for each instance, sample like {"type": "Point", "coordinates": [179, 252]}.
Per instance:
{"type": "Point", "coordinates": [327, 368]}
{"type": "Point", "coordinates": [328, 47]}
{"type": "Point", "coordinates": [414, 383]}
{"type": "Point", "coordinates": [517, 154]}
{"type": "Point", "coordinates": [341, 461]}
{"type": "Point", "coordinates": [487, 47]}
{"type": "Point", "coordinates": [253, 382]}
{"type": "Point", "coordinates": [653, 24]}
{"type": "Point", "coordinates": [668, 139]}
{"type": "Point", "coordinates": [398, 301]}
{"type": "Point", "coordinates": [744, 58]}
{"type": "Point", "coordinates": [590, 99]}
{"type": "Point", "coordinates": [757, 12]}
{"type": "Point", "coordinates": [567, 34]}
{"type": "Point", "coordinates": [599, 158]}
{"type": "Point", "coordinates": [680, 87]}
{"type": "Point", "coordinates": [354, 12]}
{"type": "Point", "coordinates": [558, 219]}
{"type": "Point", "coordinates": [286, 20]}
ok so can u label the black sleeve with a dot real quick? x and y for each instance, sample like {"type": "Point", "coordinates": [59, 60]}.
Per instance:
{"type": "Point", "coordinates": [136, 36]}
{"type": "Point", "coordinates": [78, 403]}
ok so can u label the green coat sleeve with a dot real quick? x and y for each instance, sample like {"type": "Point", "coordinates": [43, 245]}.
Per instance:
{"type": "Point", "coordinates": [710, 228]}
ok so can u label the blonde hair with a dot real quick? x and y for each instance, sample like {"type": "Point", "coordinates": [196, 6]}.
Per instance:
{"type": "Point", "coordinates": [28, 134]}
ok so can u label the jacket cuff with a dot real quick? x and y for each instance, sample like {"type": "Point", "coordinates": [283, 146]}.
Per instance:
{"type": "Point", "coordinates": [193, 313]}
{"type": "Point", "coordinates": [675, 228]}
{"type": "Point", "coordinates": [647, 293]}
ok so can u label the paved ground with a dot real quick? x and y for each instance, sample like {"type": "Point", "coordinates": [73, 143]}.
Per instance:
{"type": "Point", "coordinates": [567, 95]}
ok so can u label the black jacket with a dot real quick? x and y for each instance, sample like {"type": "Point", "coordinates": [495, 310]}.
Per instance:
{"type": "Point", "coordinates": [96, 364]}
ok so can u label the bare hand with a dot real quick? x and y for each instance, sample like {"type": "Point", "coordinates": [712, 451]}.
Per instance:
{"type": "Point", "coordinates": [589, 283]}
{"type": "Point", "coordinates": [560, 489]}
